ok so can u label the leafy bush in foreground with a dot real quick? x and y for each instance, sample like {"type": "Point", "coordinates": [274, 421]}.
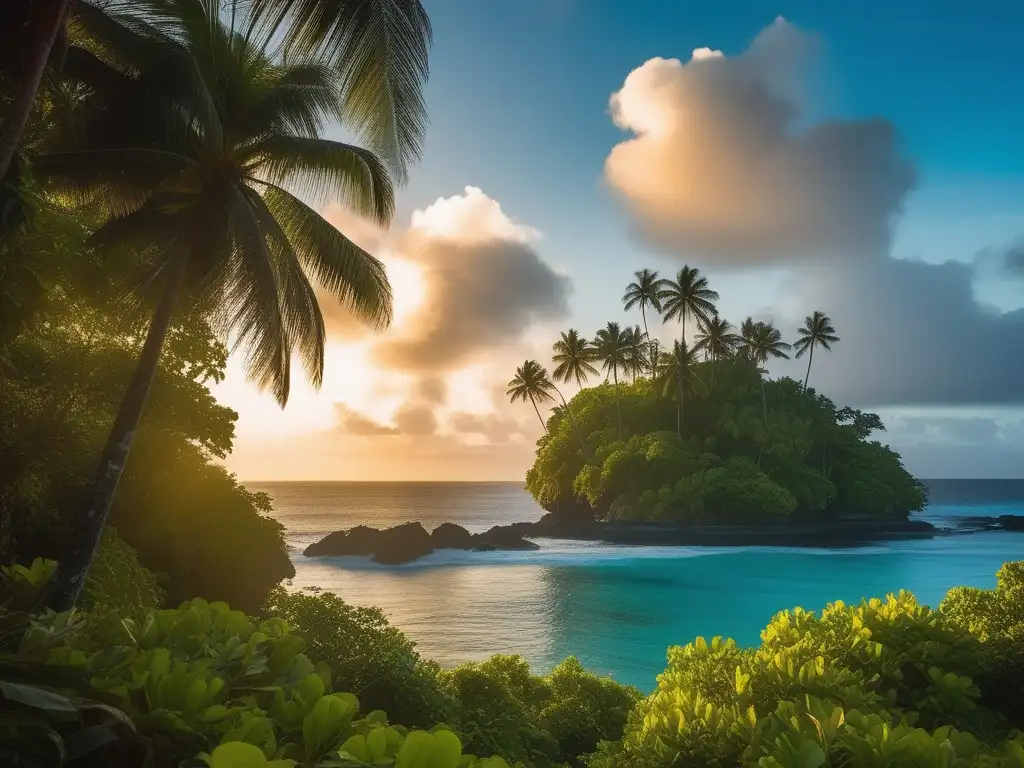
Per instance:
{"type": "Point", "coordinates": [199, 684]}
{"type": "Point", "coordinates": [497, 706]}
{"type": "Point", "coordinates": [885, 683]}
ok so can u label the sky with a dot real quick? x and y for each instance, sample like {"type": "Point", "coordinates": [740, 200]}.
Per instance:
{"type": "Point", "coordinates": [864, 159]}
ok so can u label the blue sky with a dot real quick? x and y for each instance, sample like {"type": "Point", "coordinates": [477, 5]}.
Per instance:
{"type": "Point", "coordinates": [519, 106]}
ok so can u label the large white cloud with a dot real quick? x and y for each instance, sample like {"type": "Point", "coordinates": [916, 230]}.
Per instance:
{"type": "Point", "coordinates": [718, 165]}
{"type": "Point", "coordinates": [725, 169]}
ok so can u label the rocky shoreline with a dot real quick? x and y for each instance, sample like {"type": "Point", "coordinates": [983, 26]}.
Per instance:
{"type": "Point", "coordinates": [408, 542]}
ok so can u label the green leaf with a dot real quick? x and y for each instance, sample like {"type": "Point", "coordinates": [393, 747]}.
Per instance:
{"type": "Point", "coordinates": [39, 698]}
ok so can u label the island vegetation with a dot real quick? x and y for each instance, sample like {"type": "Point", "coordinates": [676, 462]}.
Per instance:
{"type": "Point", "coordinates": [145, 154]}
{"type": "Point", "coordinates": [700, 434]}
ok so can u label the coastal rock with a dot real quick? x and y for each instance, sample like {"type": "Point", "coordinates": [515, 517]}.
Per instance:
{"type": "Point", "coordinates": [361, 540]}
{"type": "Point", "coordinates": [402, 544]}
{"type": "Point", "coordinates": [502, 537]}
{"type": "Point", "coordinates": [451, 536]}
{"type": "Point", "coordinates": [331, 544]}
{"type": "Point", "coordinates": [1012, 522]}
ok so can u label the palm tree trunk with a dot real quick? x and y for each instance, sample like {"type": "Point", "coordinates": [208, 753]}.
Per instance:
{"type": "Point", "coordinates": [679, 379]}
{"type": "Point", "coordinates": [618, 409]}
{"type": "Point", "coordinates": [86, 525]}
{"type": "Point", "coordinates": [539, 417]}
{"type": "Point", "coordinates": [764, 410]}
{"type": "Point", "coordinates": [572, 420]}
{"type": "Point", "coordinates": [654, 356]}
{"type": "Point", "coordinates": [43, 24]}
{"type": "Point", "coordinates": [810, 359]}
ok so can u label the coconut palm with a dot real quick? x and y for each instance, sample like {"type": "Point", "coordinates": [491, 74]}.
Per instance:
{"type": "Point", "coordinates": [817, 331]}
{"type": "Point", "coordinates": [687, 295]}
{"type": "Point", "coordinates": [645, 292]}
{"type": "Point", "coordinates": [637, 350]}
{"type": "Point", "coordinates": [612, 349]}
{"type": "Point", "coordinates": [572, 365]}
{"type": "Point", "coordinates": [378, 51]}
{"type": "Point", "coordinates": [674, 370]}
{"type": "Point", "coordinates": [531, 383]}
{"type": "Point", "coordinates": [715, 337]}
{"type": "Point", "coordinates": [572, 357]}
{"type": "Point", "coordinates": [200, 186]}
{"type": "Point", "coordinates": [761, 342]}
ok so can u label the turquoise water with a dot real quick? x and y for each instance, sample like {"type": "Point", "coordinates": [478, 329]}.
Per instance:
{"type": "Point", "coordinates": [616, 608]}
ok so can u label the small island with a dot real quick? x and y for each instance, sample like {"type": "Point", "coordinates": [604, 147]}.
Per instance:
{"type": "Point", "coordinates": [695, 446]}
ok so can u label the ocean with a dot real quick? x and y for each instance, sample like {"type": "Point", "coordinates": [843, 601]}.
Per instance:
{"type": "Point", "coordinates": [617, 608]}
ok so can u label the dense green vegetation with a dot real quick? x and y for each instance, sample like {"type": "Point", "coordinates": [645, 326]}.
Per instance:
{"type": "Point", "coordinates": [885, 683]}
{"type": "Point", "coordinates": [156, 185]}
{"type": "Point", "coordinates": [701, 434]}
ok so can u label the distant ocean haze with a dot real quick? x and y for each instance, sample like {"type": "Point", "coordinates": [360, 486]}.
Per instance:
{"type": "Point", "coordinates": [615, 607]}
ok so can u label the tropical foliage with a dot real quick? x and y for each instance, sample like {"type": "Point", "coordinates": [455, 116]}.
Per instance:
{"type": "Point", "coordinates": [887, 682]}
{"type": "Point", "coordinates": [161, 202]}
{"type": "Point", "coordinates": [884, 683]}
{"type": "Point", "coordinates": [704, 435]}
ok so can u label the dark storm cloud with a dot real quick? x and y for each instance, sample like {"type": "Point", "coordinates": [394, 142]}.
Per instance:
{"type": "Point", "coordinates": [968, 429]}
{"type": "Point", "coordinates": [479, 296]}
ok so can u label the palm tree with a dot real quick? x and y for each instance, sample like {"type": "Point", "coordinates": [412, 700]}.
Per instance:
{"type": "Point", "coordinates": [612, 349]}
{"type": "Point", "coordinates": [197, 179]}
{"type": "Point", "coordinates": [675, 369]}
{"type": "Point", "coordinates": [531, 383]}
{"type": "Point", "coordinates": [637, 351]}
{"type": "Point", "coordinates": [572, 357]}
{"type": "Point", "coordinates": [817, 331]}
{"type": "Point", "coordinates": [379, 52]}
{"type": "Point", "coordinates": [761, 342]}
{"type": "Point", "coordinates": [645, 292]}
{"type": "Point", "coordinates": [688, 294]}
{"type": "Point", "coordinates": [715, 338]}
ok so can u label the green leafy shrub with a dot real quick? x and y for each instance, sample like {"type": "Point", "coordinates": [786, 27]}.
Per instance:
{"type": "Point", "coordinates": [199, 683]}
{"type": "Point", "coordinates": [367, 656]}
{"type": "Point", "coordinates": [540, 720]}
{"type": "Point", "coordinates": [885, 683]}
{"type": "Point", "coordinates": [117, 580]}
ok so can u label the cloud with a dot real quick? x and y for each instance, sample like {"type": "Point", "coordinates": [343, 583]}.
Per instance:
{"type": "Point", "coordinates": [485, 285]}
{"type": "Point", "coordinates": [726, 169]}
{"type": "Point", "coordinates": [416, 420]}
{"type": "Point", "coordinates": [912, 333]}
{"type": "Point", "coordinates": [494, 427]}
{"type": "Point", "coordinates": [354, 423]}
{"type": "Point", "coordinates": [1013, 259]}
{"type": "Point", "coordinates": [718, 166]}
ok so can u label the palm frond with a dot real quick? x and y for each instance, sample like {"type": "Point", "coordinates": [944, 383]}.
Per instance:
{"type": "Point", "coordinates": [380, 48]}
{"type": "Point", "coordinates": [349, 274]}
{"type": "Point", "coordinates": [327, 171]}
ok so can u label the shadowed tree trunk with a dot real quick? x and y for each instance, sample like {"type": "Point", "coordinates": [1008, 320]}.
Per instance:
{"type": "Point", "coordinates": [87, 524]}
{"type": "Point", "coordinates": [539, 417]}
{"type": "Point", "coordinates": [810, 359]}
{"type": "Point", "coordinates": [618, 409]}
{"type": "Point", "coordinates": [44, 22]}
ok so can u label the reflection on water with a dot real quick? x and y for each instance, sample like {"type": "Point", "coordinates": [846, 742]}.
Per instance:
{"type": "Point", "coordinates": [454, 614]}
{"type": "Point", "coordinates": [616, 608]}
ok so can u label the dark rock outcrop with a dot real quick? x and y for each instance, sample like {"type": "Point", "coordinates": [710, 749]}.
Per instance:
{"type": "Point", "coordinates": [1012, 522]}
{"type": "Point", "coordinates": [451, 536]}
{"type": "Point", "coordinates": [502, 537]}
{"type": "Point", "coordinates": [402, 544]}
